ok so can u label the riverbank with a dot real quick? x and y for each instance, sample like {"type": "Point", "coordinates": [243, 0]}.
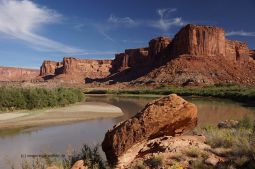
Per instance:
{"type": "Point", "coordinates": [18, 98]}
{"type": "Point", "coordinates": [232, 92]}
{"type": "Point", "coordinates": [60, 115]}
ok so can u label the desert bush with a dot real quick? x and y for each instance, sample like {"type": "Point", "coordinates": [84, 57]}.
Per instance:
{"type": "Point", "coordinates": [239, 140]}
{"type": "Point", "coordinates": [12, 98]}
{"type": "Point", "coordinates": [139, 165]}
{"type": "Point", "coordinates": [155, 161]}
{"type": "Point", "coordinates": [90, 156]}
{"type": "Point", "coordinates": [193, 152]}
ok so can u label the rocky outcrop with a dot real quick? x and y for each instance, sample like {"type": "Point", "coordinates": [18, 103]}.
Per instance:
{"type": "Point", "coordinates": [159, 49]}
{"type": "Point", "coordinates": [50, 68]}
{"type": "Point", "coordinates": [168, 116]}
{"type": "Point", "coordinates": [131, 58]}
{"type": "Point", "coordinates": [199, 40]}
{"type": "Point", "coordinates": [237, 51]}
{"type": "Point", "coordinates": [174, 152]}
{"type": "Point", "coordinates": [252, 54]}
{"type": "Point", "coordinates": [89, 68]}
{"type": "Point", "coordinates": [12, 74]}
{"type": "Point", "coordinates": [73, 68]}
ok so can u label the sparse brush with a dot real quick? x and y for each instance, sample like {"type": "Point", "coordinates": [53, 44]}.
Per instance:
{"type": "Point", "coordinates": [139, 165]}
{"type": "Point", "coordinates": [175, 166]}
{"type": "Point", "coordinates": [193, 152]}
{"type": "Point", "coordinates": [155, 161]}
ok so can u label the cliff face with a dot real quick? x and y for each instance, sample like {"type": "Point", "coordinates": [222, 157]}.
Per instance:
{"type": "Point", "coordinates": [252, 54]}
{"type": "Point", "coordinates": [89, 68]}
{"type": "Point", "coordinates": [50, 68]}
{"type": "Point", "coordinates": [131, 58]}
{"type": "Point", "coordinates": [73, 68]}
{"type": "Point", "coordinates": [237, 51]}
{"type": "Point", "coordinates": [11, 74]}
{"type": "Point", "coordinates": [199, 54]}
{"type": "Point", "coordinates": [199, 40]}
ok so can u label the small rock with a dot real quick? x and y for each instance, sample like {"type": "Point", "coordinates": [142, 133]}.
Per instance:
{"type": "Point", "coordinates": [228, 124]}
{"type": "Point", "coordinates": [53, 167]}
{"type": "Point", "coordinates": [212, 161]}
{"type": "Point", "coordinates": [79, 165]}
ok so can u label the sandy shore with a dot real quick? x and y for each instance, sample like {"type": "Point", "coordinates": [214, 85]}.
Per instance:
{"type": "Point", "coordinates": [73, 113]}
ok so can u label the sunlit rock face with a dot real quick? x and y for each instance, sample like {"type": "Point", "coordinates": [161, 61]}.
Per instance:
{"type": "Point", "coordinates": [199, 40]}
{"type": "Point", "coordinates": [168, 116]}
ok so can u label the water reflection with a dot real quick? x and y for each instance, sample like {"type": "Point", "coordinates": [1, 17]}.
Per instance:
{"type": "Point", "coordinates": [57, 139]}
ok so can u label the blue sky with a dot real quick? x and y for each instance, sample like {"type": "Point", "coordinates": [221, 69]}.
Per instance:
{"type": "Point", "coordinates": [33, 31]}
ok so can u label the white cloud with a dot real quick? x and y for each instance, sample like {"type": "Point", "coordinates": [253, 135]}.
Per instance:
{"type": "Point", "coordinates": [165, 23]}
{"type": "Point", "coordinates": [21, 19]}
{"type": "Point", "coordinates": [240, 33]}
{"type": "Point", "coordinates": [121, 21]}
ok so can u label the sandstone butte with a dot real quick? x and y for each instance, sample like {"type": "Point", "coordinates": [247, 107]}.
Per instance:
{"type": "Point", "coordinates": [195, 55]}
{"type": "Point", "coordinates": [167, 116]}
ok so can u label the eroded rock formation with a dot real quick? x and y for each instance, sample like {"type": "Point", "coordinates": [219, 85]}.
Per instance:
{"type": "Point", "coordinates": [12, 74]}
{"type": "Point", "coordinates": [199, 40]}
{"type": "Point", "coordinates": [168, 116]}
{"type": "Point", "coordinates": [73, 68]}
{"type": "Point", "coordinates": [50, 68]}
{"type": "Point", "coordinates": [207, 56]}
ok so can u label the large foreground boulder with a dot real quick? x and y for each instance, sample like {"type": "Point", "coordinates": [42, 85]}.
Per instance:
{"type": "Point", "coordinates": [167, 116]}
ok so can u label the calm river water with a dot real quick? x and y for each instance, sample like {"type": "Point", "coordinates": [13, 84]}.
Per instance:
{"type": "Point", "coordinates": [61, 138]}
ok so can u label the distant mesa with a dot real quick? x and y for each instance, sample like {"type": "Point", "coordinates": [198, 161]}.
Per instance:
{"type": "Point", "coordinates": [197, 54]}
{"type": "Point", "coordinates": [13, 74]}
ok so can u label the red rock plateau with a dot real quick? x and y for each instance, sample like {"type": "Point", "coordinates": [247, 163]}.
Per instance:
{"type": "Point", "coordinates": [196, 55]}
{"type": "Point", "coordinates": [12, 74]}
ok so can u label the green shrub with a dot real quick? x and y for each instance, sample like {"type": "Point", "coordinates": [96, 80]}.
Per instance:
{"type": "Point", "coordinates": [12, 98]}
{"type": "Point", "coordinates": [155, 162]}
{"type": "Point", "coordinates": [193, 152]}
{"type": "Point", "coordinates": [139, 165]}
{"type": "Point", "coordinates": [90, 156]}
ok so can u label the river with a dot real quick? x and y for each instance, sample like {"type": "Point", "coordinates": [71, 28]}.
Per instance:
{"type": "Point", "coordinates": [62, 138]}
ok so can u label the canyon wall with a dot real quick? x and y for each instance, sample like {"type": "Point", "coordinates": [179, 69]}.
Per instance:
{"type": "Point", "coordinates": [199, 40]}
{"type": "Point", "coordinates": [76, 68]}
{"type": "Point", "coordinates": [192, 42]}
{"type": "Point", "coordinates": [12, 74]}
{"type": "Point", "coordinates": [50, 68]}
{"type": "Point", "coordinates": [236, 50]}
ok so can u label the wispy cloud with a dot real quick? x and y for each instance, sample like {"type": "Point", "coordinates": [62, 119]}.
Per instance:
{"type": "Point", "coordinates": [240, 33]}
{"type": "Point", "coordinates": [106, 28]}
{"type": "Point", "coordinates": [21, 19]}
{"type": "Point", "coordinates": [127, 21]}
{"type": "Point", "coordinates": [165, 22]}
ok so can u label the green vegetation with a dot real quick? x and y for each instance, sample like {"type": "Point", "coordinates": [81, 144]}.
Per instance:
{"type": "Point", "coordinates": [155, 161]}
{"type": "Point", "coordinates": [193, 152]}
{"type": "Point", "coordinates": [233, 92]}
{"type": "Point", "coordinates": [90, 156]}
{"type": "Point", "coordinates": [236, 144]}
{"type": "Point", "coordinates": [12, 98]}
{"type": "Point", "coordinates": [139, 165]}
